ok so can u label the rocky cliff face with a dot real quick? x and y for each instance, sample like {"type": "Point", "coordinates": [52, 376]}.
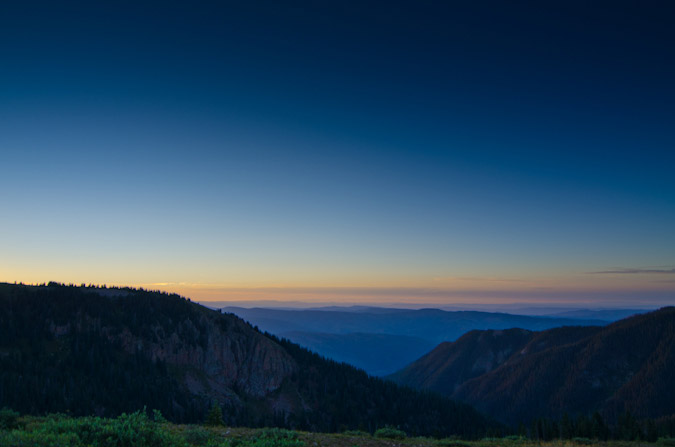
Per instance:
{"type": "Point", "coordinates": [252, 362]}
{"type": "Point", "coordinates": [216, 353]}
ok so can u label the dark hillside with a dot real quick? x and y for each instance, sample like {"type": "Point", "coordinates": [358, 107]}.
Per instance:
{"type": "Point", "coordinates": [450, 364]}
{"type": "Point", "coordinates": [627, 365]}
{"type": "Point", "coordinates": [104, 351]}
{"type": "Point", "coordinates": [88, 350]}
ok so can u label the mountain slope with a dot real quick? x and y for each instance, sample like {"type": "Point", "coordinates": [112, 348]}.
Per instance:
{"type": "Point", "coordinates": [625, 366]}
{"type": "Point", "coordinates": [103, 351]}
{"type": "Point", "coordinates": [75, 348]}
{"type": "Point", "coordinates": [451, 364]}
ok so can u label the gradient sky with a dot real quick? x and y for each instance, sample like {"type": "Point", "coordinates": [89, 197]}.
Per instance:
{"type": "Point", "coordinates": [432, 152]}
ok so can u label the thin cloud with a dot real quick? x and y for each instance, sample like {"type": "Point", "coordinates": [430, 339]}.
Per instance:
{"type": "Point", "coordinates": [635, 271]}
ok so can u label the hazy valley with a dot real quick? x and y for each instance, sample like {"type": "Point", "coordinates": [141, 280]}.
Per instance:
{"type": "Point", "coordinates": [384, 340]}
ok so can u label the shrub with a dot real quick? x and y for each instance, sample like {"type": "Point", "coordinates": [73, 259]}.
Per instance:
{"type": "Point", "coordinates": [666, 442]}
{"type": "Point", "coordinates": [226, 442]}
{"type": "Point", "coordinates": [276, 437]}
{"type": "Point", "coordinates": [20, 438]}
{"type": "Point", "coordinates": [128, 430]}
{"type": "Point", "coordinates": [196, 436]}
{"type": "Point", "coordinates": [390, 433]}
{"type": "Point", "coordinates": [276, 433]}
{"type": "Point", "coordinates": [158, 417]}
{"type": "Point", "coordinates": [137, 430]}
{"type": "Point", "coordinates": [9, 419]}
{"type": "Point", "coordinates": [583, 441]}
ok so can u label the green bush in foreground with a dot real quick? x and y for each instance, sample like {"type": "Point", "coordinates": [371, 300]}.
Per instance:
{"type": "Point", "coordinates": [277, 433]}
{"type": "Point", "coordinates": [9, 419]}
{"type": "Point", "coordinates": [197, 436]}
{"type": "Point", "coordinates": [666, 442]}
{"type": "Point", "coordinates": [276, 437]}
{"type": "Point", "coordinates": [390, 433]}
{"type": "Point", "coordinates": [128, 430]}
{"type": "Point", "coordinates": [20, 438]}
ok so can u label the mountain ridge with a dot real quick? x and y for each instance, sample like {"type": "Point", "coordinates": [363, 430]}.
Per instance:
{"type": "Point", "coordinates": [101, 351]}
{"type": "Point", "coordinates": [623, 366]}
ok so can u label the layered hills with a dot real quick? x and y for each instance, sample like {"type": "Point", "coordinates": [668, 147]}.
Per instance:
{"type": "Point", "coordinates": [517, 375]}
{"type": "Point", "coordinates": [383, 340]}
{"type": "Point", "coordinates": [89, 350]}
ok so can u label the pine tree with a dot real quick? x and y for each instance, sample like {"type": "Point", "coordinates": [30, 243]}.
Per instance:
{"type": "Point", "coordinates": [214, 416]}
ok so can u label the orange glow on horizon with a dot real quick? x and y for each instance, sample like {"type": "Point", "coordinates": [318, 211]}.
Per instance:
{"type": "Point", "coordinates": [572, 288]}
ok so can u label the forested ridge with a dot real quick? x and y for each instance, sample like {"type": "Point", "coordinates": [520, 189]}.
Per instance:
{"type": "Point", "coordinates": [88, 350]}
{"type": "Point", "coordinates": [622, 371]}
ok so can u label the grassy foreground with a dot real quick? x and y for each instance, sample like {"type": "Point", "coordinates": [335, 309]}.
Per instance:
{"type": "Point", "coordinates": [140, 430]}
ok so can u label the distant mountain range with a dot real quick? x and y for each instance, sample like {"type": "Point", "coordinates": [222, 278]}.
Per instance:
{"type": "Point", "coordinates": [608, 315]}
{"type": "Point", "coordinates": [103, 351]}
{"type": "Point", "coordinates": [517, 375]}
{"type": "Point", "coordinates": [383, 340]}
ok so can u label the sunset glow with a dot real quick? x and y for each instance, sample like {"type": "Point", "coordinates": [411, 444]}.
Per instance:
{"type": "Point", "coordinates": [405, 156]}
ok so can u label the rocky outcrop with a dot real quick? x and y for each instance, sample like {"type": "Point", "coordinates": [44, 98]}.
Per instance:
{"type": "Point", "coordinates": [228, 353]}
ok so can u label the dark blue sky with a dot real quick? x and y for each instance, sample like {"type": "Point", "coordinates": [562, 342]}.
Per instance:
{"type": "Point", "coordinates": [441, 145]}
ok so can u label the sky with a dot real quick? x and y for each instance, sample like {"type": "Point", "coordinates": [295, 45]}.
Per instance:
{"type": "Point", "coordinates": [343, 152]}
